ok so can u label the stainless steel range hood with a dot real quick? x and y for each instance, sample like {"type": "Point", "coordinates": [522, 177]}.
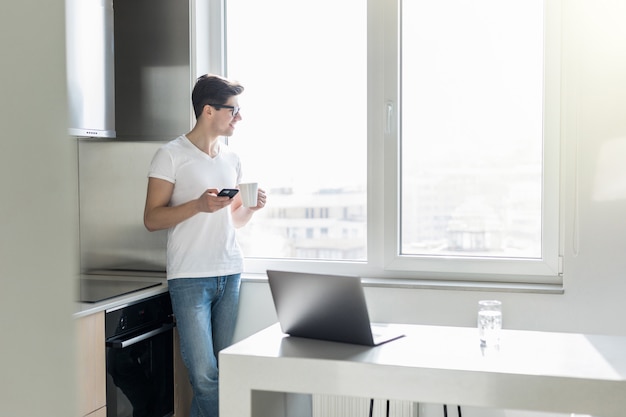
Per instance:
{"type": "Point", "coordinates": [131, 65]}
{"type": "Point", "coordinates": [90, 68]}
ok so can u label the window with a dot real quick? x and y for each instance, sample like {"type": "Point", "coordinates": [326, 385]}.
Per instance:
{"type": "Point", "coordinates": [477, 169]}
{"type": "Point", "coordinates": [472, 150]}
{"type": "Point", "coordinates": [304, 131]}
{"type": "Point", "coordinates": [413, 139]}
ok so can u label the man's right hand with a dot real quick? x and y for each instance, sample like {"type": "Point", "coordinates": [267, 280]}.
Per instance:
{"type": "Point", "coordinates": [209, 202]}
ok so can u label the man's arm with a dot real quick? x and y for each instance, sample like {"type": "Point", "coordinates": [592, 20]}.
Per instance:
{"type": "Point", "coordinates": [159, 215]}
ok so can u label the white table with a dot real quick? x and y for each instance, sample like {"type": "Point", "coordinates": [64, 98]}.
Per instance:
{"type": "Point", "coordinates": [554, 372]}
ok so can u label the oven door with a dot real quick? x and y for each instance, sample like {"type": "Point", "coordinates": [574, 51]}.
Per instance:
{"type": "Point", "coordinates": [140, 374]}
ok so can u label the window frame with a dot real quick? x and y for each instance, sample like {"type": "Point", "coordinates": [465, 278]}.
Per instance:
{"type": "Point", "coordinates": [383, 161]}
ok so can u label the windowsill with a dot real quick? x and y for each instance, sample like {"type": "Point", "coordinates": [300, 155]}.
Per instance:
{"type": "Point", "coordinates": [424, 284]}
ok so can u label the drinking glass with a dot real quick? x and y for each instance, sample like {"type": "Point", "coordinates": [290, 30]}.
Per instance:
{"type": "Point", "coordinates": [489, 322]}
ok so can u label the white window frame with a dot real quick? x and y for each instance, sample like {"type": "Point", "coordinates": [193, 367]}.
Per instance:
{"type": "Point", "coordinates": [383, 202]}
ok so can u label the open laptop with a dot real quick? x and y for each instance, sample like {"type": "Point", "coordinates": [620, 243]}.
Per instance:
{"type": "Point", "coordinates": [327, 307]}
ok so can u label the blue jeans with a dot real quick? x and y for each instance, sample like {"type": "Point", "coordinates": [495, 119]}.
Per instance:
{"type": "Point", "coordinates": [206, 313]}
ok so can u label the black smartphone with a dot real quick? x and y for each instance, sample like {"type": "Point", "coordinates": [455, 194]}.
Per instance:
{"type": "Point", "coordinates": [228, 192]}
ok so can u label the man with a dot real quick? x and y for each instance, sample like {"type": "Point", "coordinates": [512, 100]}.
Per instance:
{"type": "Point", "coordinates": [204, 261]}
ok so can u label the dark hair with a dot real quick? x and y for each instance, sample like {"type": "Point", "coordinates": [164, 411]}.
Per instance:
{"type": "Point", "coordinates": [214, 89]}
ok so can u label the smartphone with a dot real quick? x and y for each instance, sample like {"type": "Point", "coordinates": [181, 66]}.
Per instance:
{"type": "Point", "coordinates": [228, 192]}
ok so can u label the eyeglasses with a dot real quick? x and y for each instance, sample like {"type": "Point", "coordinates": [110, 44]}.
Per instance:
{"type": "Point", "coordinates": [234, 109]}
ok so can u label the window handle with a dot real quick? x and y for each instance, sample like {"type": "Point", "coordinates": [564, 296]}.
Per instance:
{"type": "Point", "coordinates": [389, 118]}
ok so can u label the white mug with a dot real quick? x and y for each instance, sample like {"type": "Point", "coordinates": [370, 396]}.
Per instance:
{"type": "Point", "coordinates": [249, 191]}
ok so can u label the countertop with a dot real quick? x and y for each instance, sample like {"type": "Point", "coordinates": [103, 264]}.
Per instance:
{"type": "Point", "coordinates": [85, 309]}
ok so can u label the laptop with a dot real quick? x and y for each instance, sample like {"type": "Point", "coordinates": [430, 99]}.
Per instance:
{"type": "Point", "coordinates": [326, 307]}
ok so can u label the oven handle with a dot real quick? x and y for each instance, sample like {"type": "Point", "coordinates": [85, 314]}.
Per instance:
{"type": "Point", "coordinates": [122, 343]}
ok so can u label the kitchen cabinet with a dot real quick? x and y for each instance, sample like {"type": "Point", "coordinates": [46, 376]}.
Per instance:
{"type": "Point", "coordinates": [91, 359]}
{"type": "Point", "coordinates": [91, 365]}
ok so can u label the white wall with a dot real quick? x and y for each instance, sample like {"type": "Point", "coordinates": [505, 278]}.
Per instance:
{"type": "Point", "coordinates": [38, 211]}
{"type": "Point", "coordinates": [593, 203]}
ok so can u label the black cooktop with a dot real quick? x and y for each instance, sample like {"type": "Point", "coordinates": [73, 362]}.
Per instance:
{"type": "Point", "coordinates": [93, 290]}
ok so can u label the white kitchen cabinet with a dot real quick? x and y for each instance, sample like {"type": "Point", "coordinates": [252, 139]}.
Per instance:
{"type": "Point", "coordinates": [91, 366]}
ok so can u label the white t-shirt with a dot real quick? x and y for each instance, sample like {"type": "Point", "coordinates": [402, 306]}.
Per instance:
{"type": "Point", "coordinates": [205, 244]}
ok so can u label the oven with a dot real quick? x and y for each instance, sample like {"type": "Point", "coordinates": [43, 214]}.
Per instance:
{"type": "Point", "coordinates": [139, 358]}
